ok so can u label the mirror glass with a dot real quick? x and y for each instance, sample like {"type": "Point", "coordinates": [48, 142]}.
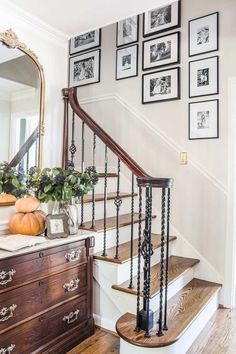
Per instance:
{"type": "Point", "coordinates": [20, 92]}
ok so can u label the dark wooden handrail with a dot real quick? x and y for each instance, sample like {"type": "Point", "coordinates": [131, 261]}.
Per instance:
{"type": "Point", "coordinates": [144, 179]}
{"type": "Point", "coordinates": [25, 148]}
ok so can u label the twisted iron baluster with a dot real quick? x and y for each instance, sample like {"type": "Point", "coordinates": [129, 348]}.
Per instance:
{"type": "Point", "coordinates": [27, 161]}
{"type": "Point", "coordinates": [131, 285]}
{"type": "Point", "coordinates": [93, 192]}
{"type": "Point", "coordinates": [160, 321]}
{"type": "Point", "coordinates": [104, 254]}
{"type": "Point", "coordinates": [82, 170]}
{"type": "Point", "coordinates": [118, 203]}
{"type": "Point", "coordinates": [73, 148]}
{"type": "Point", "coordinates": [165, 327]}
{"type": "Point", "coordinates": [137, 329]}
{"type": "Point", "coordinates": [36, 152]}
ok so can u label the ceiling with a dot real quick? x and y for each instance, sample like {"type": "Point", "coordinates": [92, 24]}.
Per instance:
{"type": "Point", "coordinates": [73, 17]}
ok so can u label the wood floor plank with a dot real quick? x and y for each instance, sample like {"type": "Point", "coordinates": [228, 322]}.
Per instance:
{"type": "Point", "coordinates": [124, 220]}
{"type": "Point", "coordinates": [177, 266]}
{"type": "Point", "coordinates": [124, 250]}
{"type": "Point", "coordinates": [182, 309]}
{"type": "Point", "coordinates": [100, 197]}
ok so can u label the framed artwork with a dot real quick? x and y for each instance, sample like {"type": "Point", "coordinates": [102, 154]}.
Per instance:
{"type": "Point", "coordinates": [85, 69]}
{"type": "Point", "coordinates": [127, 62]}
{"type": "Point", "coordinates": [85, 41]}
{"type": "Point", "coordinates": [161, 86]}
{"type": "Point", "coordinates": [204, 34]}
{"type": "Point", "coordinates": [204, 120]}
{"type": "Point", "coordinates": [127, 31]}
{"type": "Point", "coordinates": [162, 18]}
{"type": "Point", "coordinates": [57, 226]}
{"type": "Point", "coordinates": [161, 51]}
{"type": "Point", "coordinates": [203, 77]}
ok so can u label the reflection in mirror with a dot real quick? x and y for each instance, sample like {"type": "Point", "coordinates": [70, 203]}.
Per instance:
{"type": "Point", "coordinates": [20, 92]}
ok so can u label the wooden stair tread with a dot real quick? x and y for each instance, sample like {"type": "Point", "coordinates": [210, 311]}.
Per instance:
{"type": "Point", "coordinates": [183, 308]}
{"type": "Point", "coordinates": [124, 250]}
{"type": "Point", "coordinates": [177, 266]}
{"type": "Point", "coordinates": [109, 175]}
{"type": "Point", "coordinates": [100, 197]}
{"type": "Point", "coordinates": [124, 220]}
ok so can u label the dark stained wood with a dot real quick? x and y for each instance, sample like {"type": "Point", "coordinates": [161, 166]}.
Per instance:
{"type": "Point", "coordinates": [99, 197]}
{"type": "Point", "coordinates": [109, 175]}
{"type": "Point", "coordinates": [124, 220]}
{"type": "Point", "coordinates": [101, 342]}
{"type": "Point", "coordinates": [124, 250]}
{"type": "Point", "coordinates": [183, 308]}
{"type": "Point", "coordinates": [177, 267]}
{"type": "Point", "coordinates": [65, 145]}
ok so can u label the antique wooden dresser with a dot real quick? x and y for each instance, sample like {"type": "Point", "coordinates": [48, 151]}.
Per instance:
{"type": "Point", "coordinates": [46, 297]}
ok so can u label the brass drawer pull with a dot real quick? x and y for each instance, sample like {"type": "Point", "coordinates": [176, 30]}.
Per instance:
{"type": "Point", "coordinates": [7, 350]}
{"type": "Point", "coordinates": [7, 312]}
{"type": "Point", "coordinates": [73, 256]}
{"type": "Point", "coordinates": [72, 285]}
{"type": "Point", "coordinates": [6, 277]}
{"type": "Point", "coordinates": [72, 317]}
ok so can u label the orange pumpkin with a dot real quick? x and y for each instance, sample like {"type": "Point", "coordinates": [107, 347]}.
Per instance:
{"type": "Point", "coordinates": [32, 224]}
{"type": "Point", "coordinates": [27, 204]}
{"type": "Point", "coordinates": [7, 198]}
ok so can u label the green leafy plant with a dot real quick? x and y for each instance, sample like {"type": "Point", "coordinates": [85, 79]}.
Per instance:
{"type": "Point", "coordinates": [58, 184]}
{"type": "Point", "coordinates": [11, 180]}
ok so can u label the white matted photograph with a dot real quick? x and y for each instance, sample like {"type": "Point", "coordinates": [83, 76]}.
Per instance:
{"type": "Point", "coordinates": [85, 41]}
{"type": "Point", "coordinates": [85, 69]}
{"type": "Point", "coordinates": [163, 18]}
{"type": "Point", "coordinates": [127, 62]}
{"type": "Point", "coordinates": [161, 86]}
{"type": "Point", "coordinates": [203, 77]}
{"type": "Point", "coordinates": [204, 120]}
{"type": "Point", "coordinates": [161, 51]}
{"type": "Point", "coordinates": [203, 34]}
{"type": "Point", "coordinates": [127, 31]}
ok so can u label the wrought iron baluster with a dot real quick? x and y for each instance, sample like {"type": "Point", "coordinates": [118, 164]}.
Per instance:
{"type": "Point", "coordinates": [73, 148]}
{"type": "Point", "coordinates": [82, 170]}
{"type": "Point", "coordinates": [131, 285]}
{"type": "Point", "coordinates": [165, 327]}
{"type": "Point", "coordinates": [163, 211]}
{"type": "Point", "coordinates": [36, 152]}
{"type": "Point", "coordinates": [137, 329]}
{"type": "Point", "coordinates": [104, 254]}
{"type": "Point", "coordinates": [118, 202]}
{"type": "Point", "coordinates": [27, 162]}
{"type": "Point", "coordinates": [93, 192]}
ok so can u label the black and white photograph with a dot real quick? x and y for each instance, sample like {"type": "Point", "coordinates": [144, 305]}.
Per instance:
{"type": "Point", "coordinates": [161, 86]}
{"type": "Point", "coordinates": [161, 51]}
{"type": "Point", "coordinates": [85, 41]}
{"type": "Point", "coordinates": [204, 120]}
{"type": "Point", "coordinates": [85, 69]}
{"type": "Point", "coordinates": [162, 19]}
{"type": "Point", "coordinates": [127, 62]}
{"type": "Point", "coordinates": [127, 31]}
{"type": "Point", "coordinates": [203, 34]}
{"type": "Point", "coordinates": [203, 77]}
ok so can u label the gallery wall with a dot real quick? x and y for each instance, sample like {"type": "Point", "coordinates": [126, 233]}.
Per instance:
{"type": "Point", "coordinates": [155, 134]}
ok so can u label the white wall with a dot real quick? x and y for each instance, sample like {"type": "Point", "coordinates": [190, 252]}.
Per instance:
{"type": "Point", "coordinates": [155, 134]}
{"type": "Point", "coordinates": [5, 127]}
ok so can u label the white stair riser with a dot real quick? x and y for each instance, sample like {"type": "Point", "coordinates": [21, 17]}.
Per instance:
{"type": "Point", "coordinates": [185, 341]}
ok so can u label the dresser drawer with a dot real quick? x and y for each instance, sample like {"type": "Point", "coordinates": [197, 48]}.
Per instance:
{"type": "Point", "coordinates": [26, 338]}
{"type": "Point", "coordinates": [18, 304]}
{"type": "Point", "coordinates": [19, 270]}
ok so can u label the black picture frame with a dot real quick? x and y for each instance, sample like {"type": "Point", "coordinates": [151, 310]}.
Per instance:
{"type": "Point", "coordinates": [128, 44]}
{"type": "Point", "coordinates": [178, 85]}
{"type": "Point", "coordinates": [163, 65]}
{"type": "Point", "coordinates": [49, 229]}
{"type": "Point", "coordinates": [217, 119]}
{"type": "Point", "coordinates": [87, 49]}
{"type": "Point", "coordinates": [145, 35]}
{"type": "Point", "coordinates": [99, 67]}
{"type": "Point", "coordinates": [217, 77]}
{"type": "Point", "coordinates": [137, 54]}
{"type": "Point", "coordinates": [217, 34]}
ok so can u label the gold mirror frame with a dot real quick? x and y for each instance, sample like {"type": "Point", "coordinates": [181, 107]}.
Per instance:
{"type": "Point", "coordinates": [10, 39]}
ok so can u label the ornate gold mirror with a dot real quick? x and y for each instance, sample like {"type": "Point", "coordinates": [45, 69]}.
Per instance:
{"type": "Point", "coordinates": [22, 91]}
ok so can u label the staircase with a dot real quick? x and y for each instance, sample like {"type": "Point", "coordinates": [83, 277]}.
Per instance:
{"type": "Point", "coordinates": [142, 289]}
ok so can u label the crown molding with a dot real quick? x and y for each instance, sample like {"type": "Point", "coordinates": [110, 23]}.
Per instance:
{"type": "Point", "coordinates": [50, 32]}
